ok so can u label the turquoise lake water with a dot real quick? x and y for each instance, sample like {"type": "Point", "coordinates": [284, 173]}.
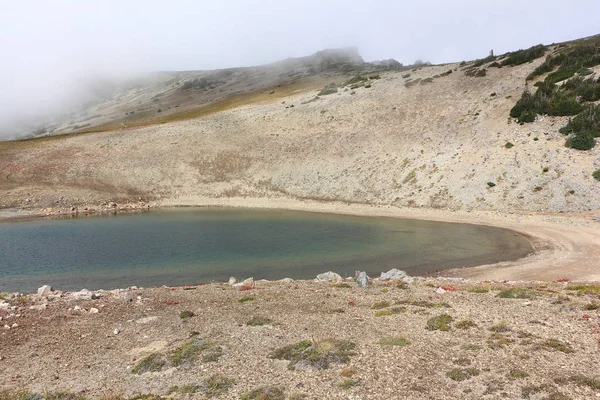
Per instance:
{"type": "Point", "coordinates": [192, 245]}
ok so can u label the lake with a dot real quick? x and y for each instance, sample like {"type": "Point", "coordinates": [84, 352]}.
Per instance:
{"type": "Point", "coordinates": [192, 245]}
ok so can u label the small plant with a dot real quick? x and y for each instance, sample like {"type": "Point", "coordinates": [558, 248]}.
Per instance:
{"type": "Point", "coordinates": [545, 169]}
{"type": "Point", "coordinates": [264, 393]}
{"type": "Point", "coordinates": [394, 341]}
{"type": "Point", "coordinates": [509, 145]}
{"type": "Point", "coordinates": [559, 345]}
{"type": "Point", "coordinates": [383, 313]}
{"type": "Point", "coordinates": [596, 175]}
{"type": "Point", "coordinates": [217, 385]}
{"type": "Point", "coordinates": [517, 374]}
{"type": "Point", "coordinates": [380, 304]}
{"type": "Point", "coordinates": [441, 323]}
{"type": "Point", "coordinates": [516, 293]}
{"type": "Point", "coordinates": [316, 354]}
{"type": "Point", "coordinates": [480, 289]}
{"type": "Point", "coordinates": [186, 314]}
{"type": "Point", "coordinates": [348, 372]}
{"type": "Point", "coordinates": [500, 327]}
{"type": "Point", "coordinates": [458, 374]}
{"type": "Point", "coordinates": [342, 286]}
{"type": "Point", "coordinates": [187, 353]}
{"type": "Point", "coordinates": [580, 380]}
{"type": "Point", "coordinates": [259, 321]}
{"type": "Point", "coordinates": [465, 324]}
{"type": "Point", "coordinates": [348, 383]}
{"type": "Point", "coordinates": [585, 289]}
{"type": "Point", "coordinates": [491, 184]}
{"type": "Point", "coordinates": [471, 347]}
{"type": "Point", "coordinates": [152, 363]}
{"type": "Point", "coordinates": [328, 89]}
{"type": "Point", "coordinates": [591, 306]}
{"type": "Point", "coordinates": [246, 299]}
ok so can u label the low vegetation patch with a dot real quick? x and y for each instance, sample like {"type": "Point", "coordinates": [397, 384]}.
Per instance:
{"type": "Point", "coordinates": [315, 354]}
{"type": "Point", "coordinates": [516, 293]}
{"type": "Point", "coordinates": [348, 383]}
{"type": "Point", "coordinates": [465, 324]}
{"type": "Point", "coordinates": [596, 175]}
{"type": "Point", "coordinates": [217, 385]}
{"type": "Point", "coordinates": [500, 327]}
{"type": "Point", "coordinates": [439, 323]}
{"type": "Point", "coordinates": [585, 289]}
{"type": "Point", "coordinates": [381, 304]}
{"type": "Point", "coordinates": [186, 314]}
{"type": "Point", "coordinates": [152, 363]}
{"type": "Point", "coordinates": [328, 89]}
{"type": "Point", "coordinates": [517, 374]}
{"type": "Point", "coordinates": [246, 299]}
{"type": "Point", "coordinates": [259, 321]}
{"type": "Point", "coordinates": [460, 374]}
{"type": "Point", "coordinates": [580, 380]}
{"type": "Point", "coordinates": [394, 341]}
{"type": "Point", "coordinates": [558, 345]}
{"type": "Point", "coordinates": [188, 352]}
{"type": "Point", "coordinates": [524, 56]}
{"type": "Point", "coordinates": [264, 393]}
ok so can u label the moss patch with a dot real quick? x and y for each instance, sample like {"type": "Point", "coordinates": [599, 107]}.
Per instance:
{"type": "Point", "coordinates": [439, 323]}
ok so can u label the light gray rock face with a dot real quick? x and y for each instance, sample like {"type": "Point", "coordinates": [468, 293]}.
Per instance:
{"type": "Point", "coordinates": [395, 274]}
{"type": "Point", "coordinates": [362, 279]}
{"type": "Point", "coordinates": [329, 277]}
{"type": "Point", "coordinates": [232, 281]}
{"type": "Point", "coordinates": [45, 291]}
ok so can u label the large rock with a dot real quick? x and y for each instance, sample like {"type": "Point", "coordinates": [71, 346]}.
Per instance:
{"type": "Point", "coordinates": [395, 274]}
{"type": "Point", "coordinates": [45, 291]}
{"type": "Point", "coordinates": [84, 294]}
{"type": "Point", "coordinates": [362, 279]}
{"type": "Point", "coordinates": [329, 277]}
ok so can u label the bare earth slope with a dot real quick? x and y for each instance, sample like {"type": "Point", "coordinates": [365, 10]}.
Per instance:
{"type": "Point", "coordinates": [433, 145]}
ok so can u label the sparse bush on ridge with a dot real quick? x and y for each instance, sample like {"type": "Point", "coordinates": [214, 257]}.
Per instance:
{"type": "Point", "coordinates": [524, 56]}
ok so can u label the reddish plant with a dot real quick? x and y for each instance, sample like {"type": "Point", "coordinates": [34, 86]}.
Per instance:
{"type": "Point", "coordinates": [351, 303]}
{"type": "Point", "coordinates": [170, 302]}
{"type": "Point", "coordinates": [449, 288]}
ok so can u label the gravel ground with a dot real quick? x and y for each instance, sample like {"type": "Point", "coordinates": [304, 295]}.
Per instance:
{"type": "Point", "coordinates": [541, 346]}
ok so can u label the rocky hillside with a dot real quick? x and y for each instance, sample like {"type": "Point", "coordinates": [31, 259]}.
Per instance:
{"type": "Point", "coordinates": [429, 136]}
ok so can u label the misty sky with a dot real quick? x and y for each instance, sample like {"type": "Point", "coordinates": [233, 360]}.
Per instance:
{"type": "Point", "coordinates": [48, 47]}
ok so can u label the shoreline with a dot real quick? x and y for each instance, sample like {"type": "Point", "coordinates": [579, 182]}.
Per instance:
{"type": "Point", "coordinates": [565, 246]}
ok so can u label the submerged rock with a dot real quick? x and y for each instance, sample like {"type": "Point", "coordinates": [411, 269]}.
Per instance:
{"type": "Point", "coordinates": [394, 274]}
{"type": "Point", "coordinates": [329, 277]}
{"type": "Point", "coordinates": [362, 279]}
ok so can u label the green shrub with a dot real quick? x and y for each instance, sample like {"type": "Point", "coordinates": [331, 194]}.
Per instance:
{"type": "Point", "coordinates": [581, 141]}
{"type": "Point", "coordinates": [394, 341]}
{"type": "Point", "coordinates": [516, 293]}
{"type": "Point", "coordinates": [317, 354]}
{"type": "Point", "coordinates": [152, 363]}
{"type": "Point", "coordinates": [491, 184]}
{"type": "Point", "coordinates": [328, 89]}
{"type": "Point", "coordinates": [524, 56]}
{"type": "Point", "coordinates": [588, 120]}
{"type": "Point", "coordinates": [495, 64]}
{"type": "Point", "coordinates": [509, 145]}
{"type": "Point", "coordinates": [186, 314]}
{"type": "Point", "coordinates": [596, 174]}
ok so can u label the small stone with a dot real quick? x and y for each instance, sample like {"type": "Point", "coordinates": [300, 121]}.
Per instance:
{"type": "Point", "coordinates": [329, 277]}
{"type": "Point", "coordinates": [94, 310]}
{"type": "Point", "coordinates": [45, 291]}
{"type": "Point", "coordinates": [116, 331]}
{"type": "Point", "coordinates": [38, 307]}
{"type": "Point", "coordinates": [232, 281]}
{"type": "Point", "coordinates": [76, 308]}
{"type": "Point", "coordinates": [362, 279]}
{"type": "Point", "coordinates": [6, 327]}
{"type": "Point", "coordinates": [15, 325]}
{"type": "Point", "coordinates": [440, 290]}
{"type": "Point", "coordinates": [287, 280]}
{"type": "Point", "coordinates": [527, 303]}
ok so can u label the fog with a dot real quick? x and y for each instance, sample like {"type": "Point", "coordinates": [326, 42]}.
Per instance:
{"type": "Point", "coordinates": [52, 51]}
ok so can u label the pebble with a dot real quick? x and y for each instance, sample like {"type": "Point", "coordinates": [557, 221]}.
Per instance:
{"type": "Point", "coordinates": [38, 307]}
{"type": "Point", "coordinates": [93, 310]}
{"type": "Point", "coordinates": [116, 331]}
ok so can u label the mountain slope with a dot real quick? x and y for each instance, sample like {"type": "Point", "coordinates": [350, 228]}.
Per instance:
{"type": "Point", "coordinates": [433, 139]}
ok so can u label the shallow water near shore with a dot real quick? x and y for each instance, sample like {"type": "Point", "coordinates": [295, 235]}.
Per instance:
{"type": "Point", "coordinates": [192, 245]}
